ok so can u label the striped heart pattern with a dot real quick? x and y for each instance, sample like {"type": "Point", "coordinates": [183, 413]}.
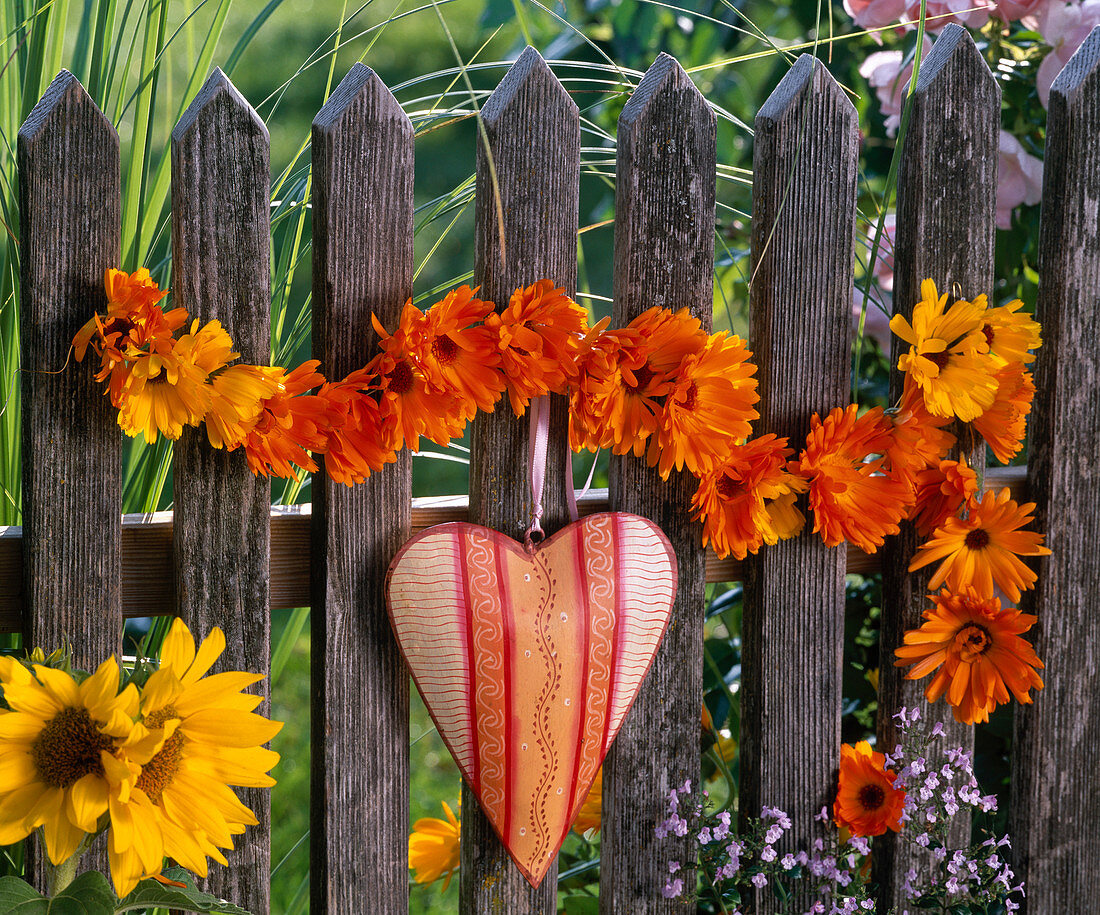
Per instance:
{"type": "Point", "coordinates": [529, 661]}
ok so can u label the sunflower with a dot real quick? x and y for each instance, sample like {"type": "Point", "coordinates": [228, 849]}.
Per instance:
{"type": "Point", "coordinates": [977, 649]}
{"type": "Point", "coordinates": [732, 500]}
{"type": "Point", "coordinates": [55, 739]}
{"type": "Point", "coordinates": [211, 740]}
{"type": "Point", "coordinates": [867, 803]}
{"type": "Point", "coordinates": [983, 549]}
{"type": "Point", "coordinates": [456, 351]}
{"type": "Point", "coordinates": [851, 496]}
{"type": "Point", "coordinates": [948, 354]}
{"type": "Point", "coordinates": [941, 491]}
{"type": "Point", "coordinates": [1004, 424]}
{"type": "Point", "coordinates": [1011, 333]}
{"type": "Point", "coordinates": [434, 848]}
{"type": "Point", "coordinates": [590, 813]}
{"type": "Point", "coordinates": [540, 335]}
{"type": "Point", "coordinates": [710, 406]}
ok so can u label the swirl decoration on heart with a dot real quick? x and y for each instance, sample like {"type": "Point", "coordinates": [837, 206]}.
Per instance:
{"type": "Point", "coordinates": [529, 660]}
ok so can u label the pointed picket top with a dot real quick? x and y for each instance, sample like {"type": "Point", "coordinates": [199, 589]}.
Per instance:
{"type": "Point", "coordinates": [62, 97]}
{"type": "Point", "coordinates": [954, 57]}
{"type": "Point", "coordinates": [808, 76]}
{"type": "Point", "coordinates": [217, 94]}
{"type": "Point", "coordinates": [529, 79]}
{"type": "Point", "coordinates": [663, 79]}
{"type": "Point", "coordinates": [1080, 69]}
{"type": "Point", "coordinates": [362, 94]}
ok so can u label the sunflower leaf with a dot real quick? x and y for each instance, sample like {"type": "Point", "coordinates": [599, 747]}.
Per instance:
{"type": "Point", "coordinates": [88, 894]}
{"type": "Point", "coordinates": [150, 894]}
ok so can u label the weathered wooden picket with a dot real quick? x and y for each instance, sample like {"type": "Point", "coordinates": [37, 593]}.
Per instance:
{"type": "Point", "coordinates": [77, 567]}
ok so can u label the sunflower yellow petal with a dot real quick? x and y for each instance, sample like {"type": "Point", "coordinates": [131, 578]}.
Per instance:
{"type": "Point", "coordinates": [87, 802]}
{"type": "Point", "coordinates": [178, 650]}
{"type": "Point", "coordinates": [228, 728]}
{"type": "Point", "coordinates": [58, 684]}
{"type": "Point", "coordinates": [209, 652]}
{"type": "Point", "coordinates": [215, 691]}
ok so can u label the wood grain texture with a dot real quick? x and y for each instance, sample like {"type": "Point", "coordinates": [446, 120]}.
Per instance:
{"type": "Point", "coordinates": [947, 236]}
{"type": "Point", "coordinates": [664, 256]}
{"type": "Point", "coordinates": [1055, 809]}
{"type": "Point", "coordinates": [69, 211]}
{"type": "Point", "coordinates": [148, 588]}
{"type": "Point", "coordinates": [803, 248]}
{"type": "Point", "coordinates": [362, 263]}
{"type": "Point", "coordinates": [220, 240]}
{"type": "Point", "coordinates": [533, 132]}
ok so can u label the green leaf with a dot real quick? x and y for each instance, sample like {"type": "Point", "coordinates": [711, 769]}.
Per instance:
{"type": "Point", "coordinates": [88, 894]}
{"type": "Point", "coordinates": [151, 894]}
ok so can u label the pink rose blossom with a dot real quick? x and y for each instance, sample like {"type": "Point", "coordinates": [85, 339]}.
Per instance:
{"type": "Point", "coordinates": [1064, 26]}
{"type": "Point", "coordinates": [1011, 10]}
{"type": "Point", "coordinates": [938, 13]}
{"type": "Point", "coordinates": [883, 70]}
{"type": "Point", "coordinates": [875, 14]}
{"type": "Point", "coordinates": [1019, 179]}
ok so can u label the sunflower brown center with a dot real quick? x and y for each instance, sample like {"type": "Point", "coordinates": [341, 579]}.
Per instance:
{"type": "Point", "coordinates": [690, 397]}
{"type": "Point", "coordinates": [157, 774]}
{"type": "Point", "coordinates": [401, 378]}
{"type": "Point", "coordinates": [444, 349]}
{"type": "Point", "coordinates": [977, 539]}
{"type": "Point", "coordinates": [871, 797]}
{"type": "Point", "coordinates": [972, 642]}
{"type": "Point", "coordinates": [68, 748]}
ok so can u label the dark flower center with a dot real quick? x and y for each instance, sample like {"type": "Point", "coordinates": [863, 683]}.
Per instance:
{"type": "Point", "coordinates": [401, 378]}
{"type": "Point", "coordinates": [940, 359]}
{"type": "Point", "coordinates": [68, 748]}
{"type": "Point", "coordinates": [643, 376]}
{"type": "Point", "coordinates": [988, 331]}
{"type": "Point", "coordinates": [157, 774]}
{"type": "Point", "coordinates": [972, 642]}
{"type": "Point", "coordinates": [977, 539]}
{"type": "Point", "coordinates": [444, 349]}
{"type": "Point", "coordinates": [871, 797]}
{"type": "Point", "coordinates": [729, 488]}
{"type": "Point", "coordinates": [690, 397]}
{"type": "Point", "coordinates": [121, 326]}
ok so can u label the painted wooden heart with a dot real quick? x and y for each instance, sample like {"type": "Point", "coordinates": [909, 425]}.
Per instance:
{"type": "Point", "coordinates": [529, 662]}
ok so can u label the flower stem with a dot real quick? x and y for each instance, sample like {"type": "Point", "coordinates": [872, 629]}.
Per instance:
{"type": "Point", "coordinates": [61, 875]}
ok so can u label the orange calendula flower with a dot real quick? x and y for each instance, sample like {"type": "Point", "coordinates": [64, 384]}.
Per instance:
{"type": "Point", "coordinates": [710, 407]}
{"type": "Point", "coordinates": [434, 848]}
{"type": "Point", "coordinates": [456, 351]}
{"type": "Point", "coordinates": [919, 438]}
{"type": "Point", "coordinates": [941, 491]}
{"type": "Point", "coordinates": [590, 813]}
{"type": "Point", "coordinates": [161, 394]}
{"type": "Point", "coordinates": [409, 406]}
{"type": "Point", "coordinates": [852, 497]}
{"type": "Point", "coordinates": [355, 442]}
{"type": "Point", "coordinates": [236, 397]}
{"type": "Point", "coordinates": [292, 423]}
{"type": "Point", "coordinates": [976, 649]}
{"type": "Point", "coordinates": [1011, 333]}
{"type": "Point", "coordinates": [540, 335]}
{"type": "Point", "coordinates": [1004, 424]}
{"type": "Point", "coordinates": [983, 548]}
{"type": "Point", "coordinates": [948, 354]}
{"type": "Point", "coordinates": [867, 803]}
{"type": "Point", "coordinates": [732, 500]}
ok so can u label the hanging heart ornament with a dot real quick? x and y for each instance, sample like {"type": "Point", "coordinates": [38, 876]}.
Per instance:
{"type": "Point", "coordinates": [528, 661]}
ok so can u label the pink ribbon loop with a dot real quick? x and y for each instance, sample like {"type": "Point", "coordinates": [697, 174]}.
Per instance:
{"type": "Point", "coordinates": [536, 467]}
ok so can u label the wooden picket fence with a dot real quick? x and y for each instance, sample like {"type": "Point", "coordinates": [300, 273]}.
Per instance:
{"type": "Point", "coordinates": [225, 557]}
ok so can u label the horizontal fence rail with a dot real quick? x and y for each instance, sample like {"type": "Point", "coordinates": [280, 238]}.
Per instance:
{"type": "Point", "coordinates": [147, 552]}
{"type": "Point", "coordinates": [225, 557]}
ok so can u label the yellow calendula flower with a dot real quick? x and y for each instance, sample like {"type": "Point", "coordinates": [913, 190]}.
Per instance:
{"type": "Point", "coordinates": [948, 354]}
{"type": "Point", "coordinates": [58, 739]}
{"type": "Point", "coordinates": [181, 804]}
{"type": "Point", "coordinates": [433, 848]}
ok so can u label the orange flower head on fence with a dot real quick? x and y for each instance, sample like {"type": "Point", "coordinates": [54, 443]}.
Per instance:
{"type": "Point", "coordinates": [1011, 333]}
{"type": "Point", "coordinates": [355, 445]}
{"type": "Point", "coordinates": [160, 394]}
{"type": "Point", "coordinates": [237, 394]}
{"type": "Point", "coordinates": [941, 491]}
{"type": "Point", "coordinates": [948, 354]}
{"type": "Point", "coordinates": [711, 406]}
{"type": "Point", "coordinates": [983, 548]}
{"type": "Point", "coordinates": [54, 738]}
{"type": "Point", "coordinates": [867, 803]}
{"type": "Point", "coordinates": [409, 406]}
{"type": "Point", "coordinates": [292, 423]}
{"type": "Point", "coordinates": [434, 848]}
{"type": "Point", "coordinates": [182, 803]}
{"type": "Point", "coordinates": [458, 352]}
{"type": "Point", "coordinates": [977, 650]}
{"type": "Point", "coordinates": [1004, 424]}
{"type": "Point", "coordinates": [540, 335]}
{"type": "Point", "coordinates": [853, 498]}
{"type": "Point", "coordinates": [732, 500]}
{"type": "Point", "coordinates": [919, 439]}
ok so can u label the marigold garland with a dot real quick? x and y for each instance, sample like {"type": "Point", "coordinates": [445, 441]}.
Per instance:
{"type": "Point", "coordinates": [660, 388]}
